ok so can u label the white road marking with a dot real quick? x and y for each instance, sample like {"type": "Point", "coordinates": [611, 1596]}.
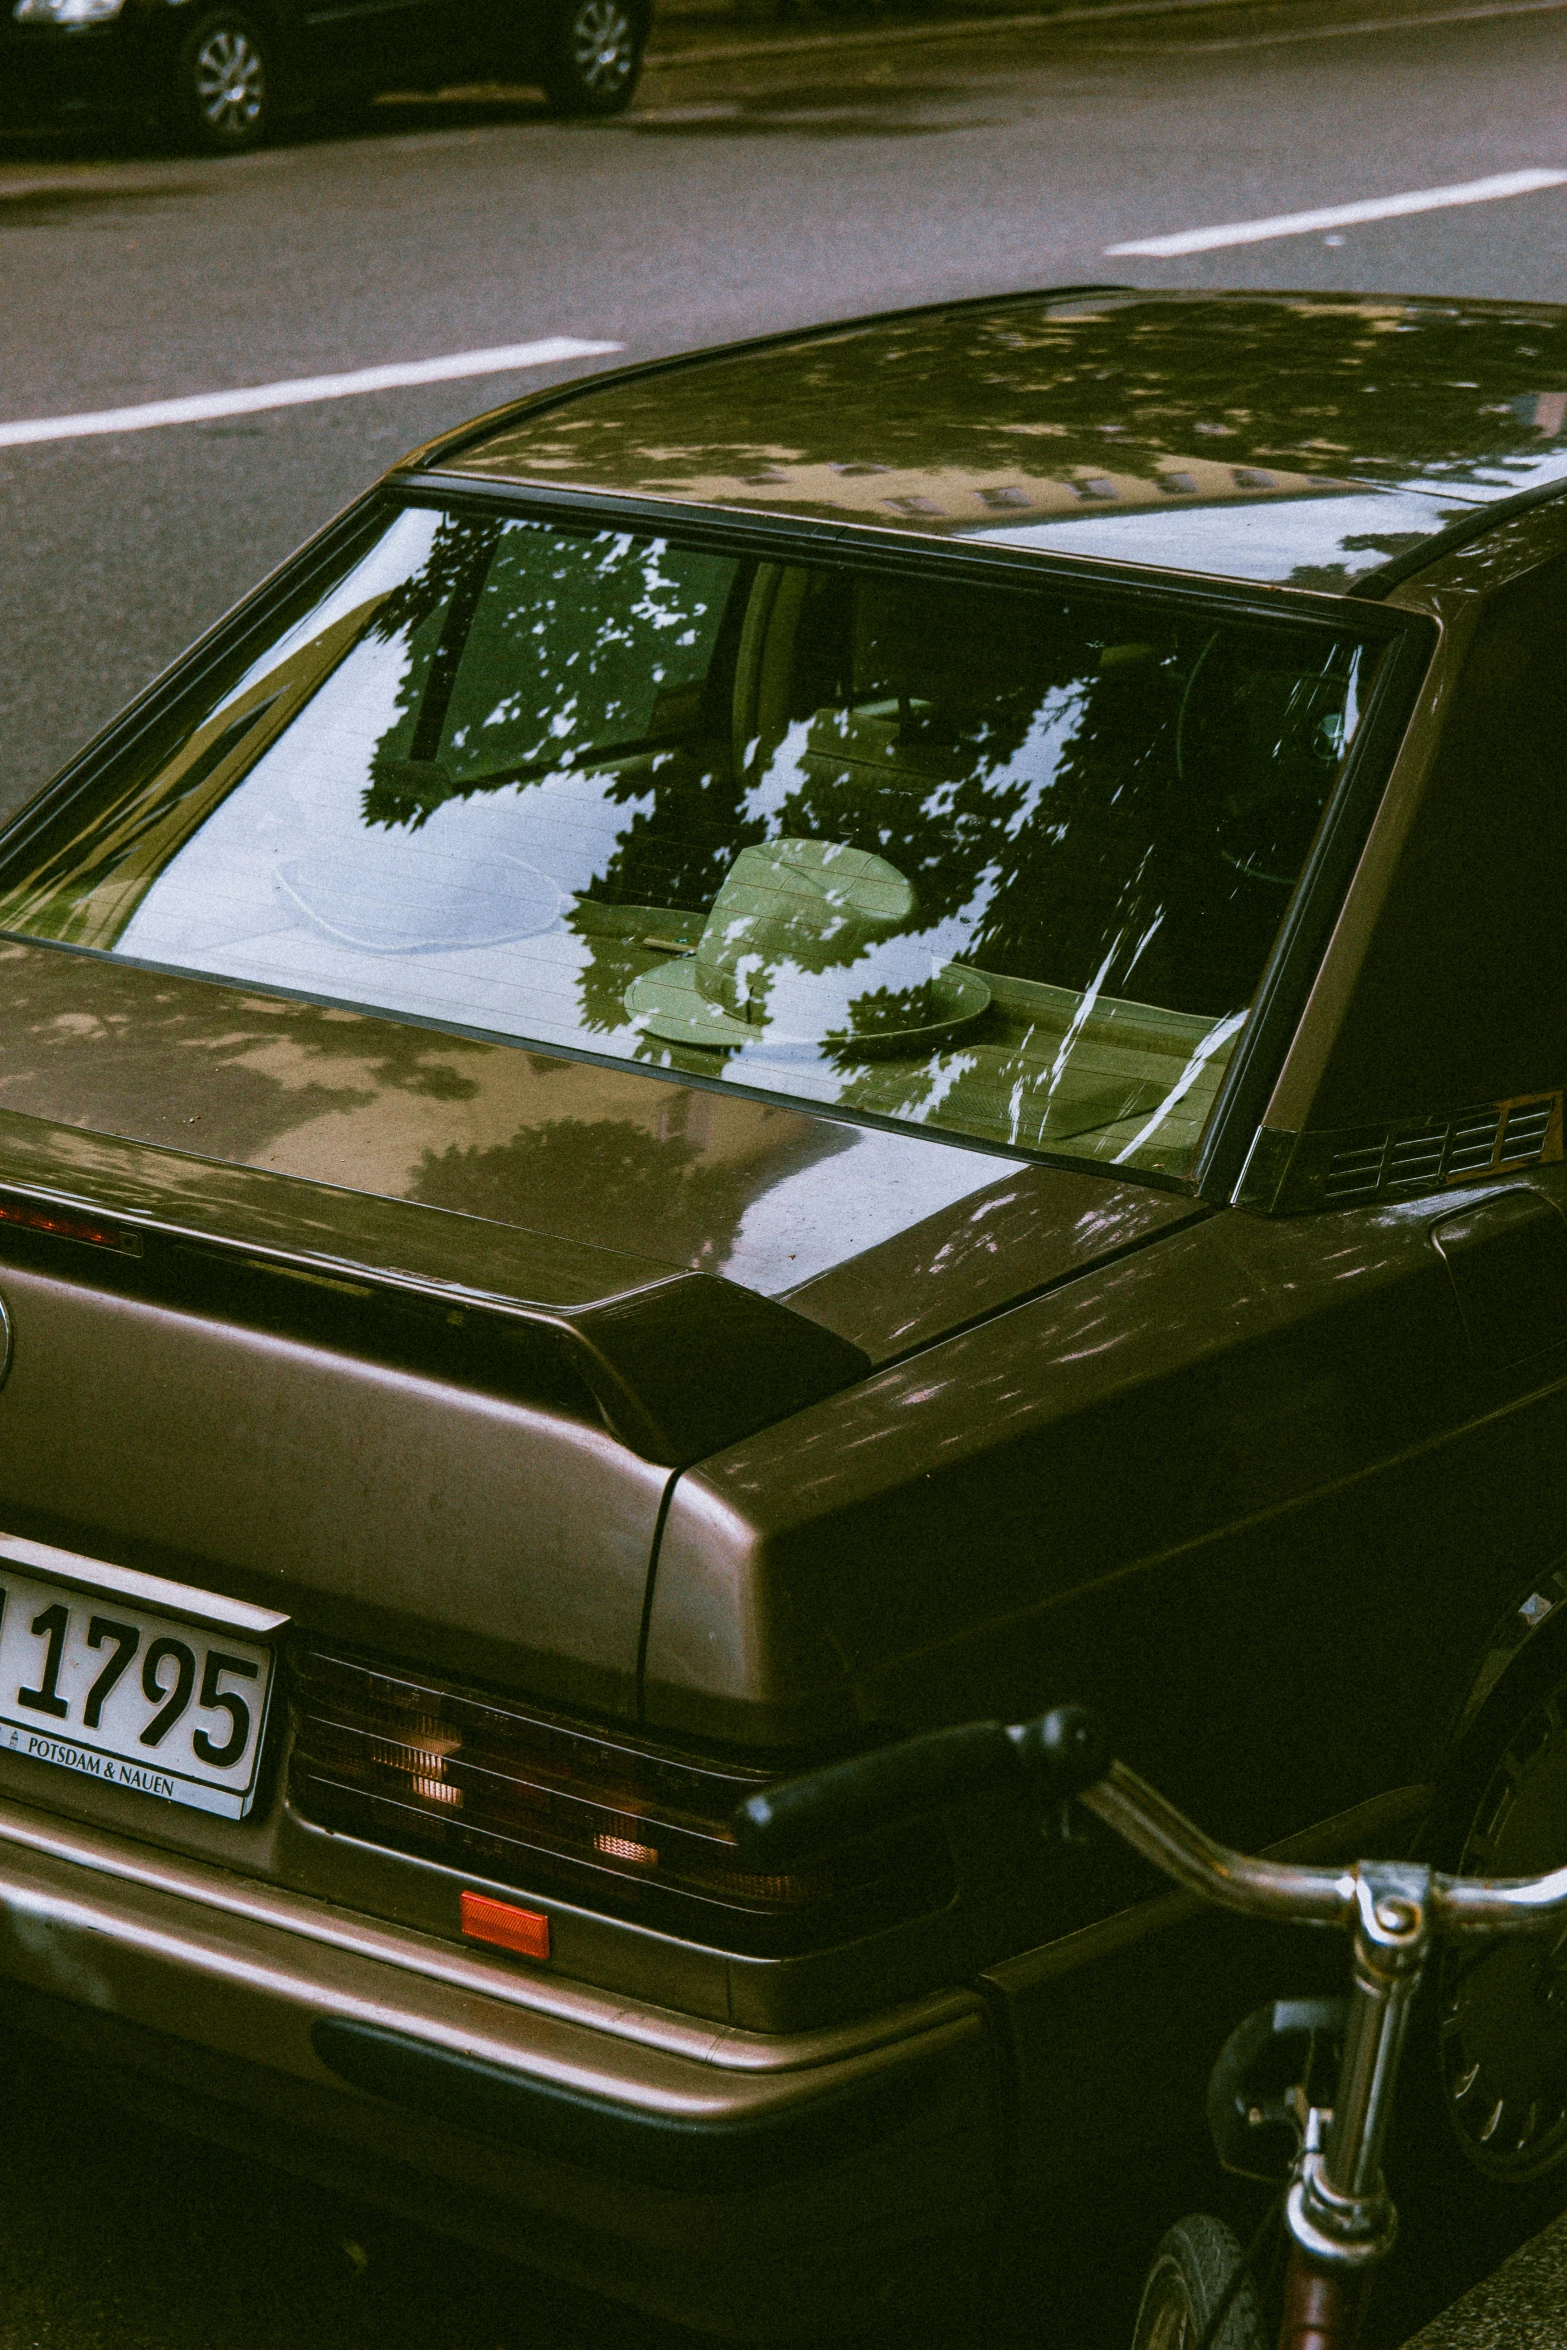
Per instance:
{"type": "Point", "coordinates": [1299, 224]}
{"type": "Point", "coordinates": [201, 407]}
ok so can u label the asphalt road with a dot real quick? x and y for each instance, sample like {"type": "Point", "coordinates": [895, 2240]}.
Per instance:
{"type": "Point", "coordinates": [791, 175]}
{"type": "Point", "coordinates": [746, 192]}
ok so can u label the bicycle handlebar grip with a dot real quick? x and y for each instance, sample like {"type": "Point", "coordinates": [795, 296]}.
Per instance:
{"type": "Point", "coordinates": [1057, 1755]}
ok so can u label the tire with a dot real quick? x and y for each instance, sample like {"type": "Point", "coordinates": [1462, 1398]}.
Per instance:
{"type": "Point", "coordinates": [1190, 2274]}
{"type": "Point", "coordinates": [594, 56]}
{"type": "Point", "coordinates": [1492, 2050]}
{"type": "Point", "coordinates": [221, 102]}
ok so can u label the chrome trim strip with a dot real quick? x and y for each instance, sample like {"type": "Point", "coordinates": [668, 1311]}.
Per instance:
{"type": "Point", "coordinates": [172, 1599]}
{"type": "Point", "coordinates": [454, 1967]}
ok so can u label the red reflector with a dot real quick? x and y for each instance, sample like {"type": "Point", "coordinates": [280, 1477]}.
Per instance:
{"type": "Point", "coordinates": [508, 1927]}
{"type": "Point", "coordinates": [35, 1218]}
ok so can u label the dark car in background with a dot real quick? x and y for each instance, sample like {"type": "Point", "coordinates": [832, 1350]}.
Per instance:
{"type": "Point", "coordinates": [217, 78]}
{"type": "Point", "coordinates": [792, 1046]}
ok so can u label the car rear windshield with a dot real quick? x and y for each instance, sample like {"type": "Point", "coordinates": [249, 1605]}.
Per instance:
{"type": "Point", "coordinates": [1000, 861]}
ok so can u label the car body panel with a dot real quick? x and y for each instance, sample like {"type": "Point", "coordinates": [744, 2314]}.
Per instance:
{"type": "Point", "coordinates": [412, 37]}
{"type": "Point", "coordinates": [1270, 1365]}
{"type": "Point", "coordinates": [1469, 825]}
{"type": "Point", "coordinates": [291, 1126]}
{"type": "Point", "coordinates": [1176, 1976]}
{"type": "Point", "coordinates": [596, 1162]}
{"type": "Point", "coordinates": [1102, 424]}
{"type": "Point", "coordinates": [361, 1490]}
{"type": "Point", "coordinates": [1025, 1232]}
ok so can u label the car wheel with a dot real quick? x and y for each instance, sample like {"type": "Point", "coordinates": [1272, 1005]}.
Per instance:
{"type": "Point", "coordinates": [1499, 2007]}
{"type": "Point", "coordinates": [222, 96]}
{"type": "Point", "coordinates": [1191, 2273]}
{"type": "Point", "coordinates": [595, 56]}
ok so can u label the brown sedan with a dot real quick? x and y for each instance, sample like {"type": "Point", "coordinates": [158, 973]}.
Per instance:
{"type": "Point", "coordinates": [788, 1046]}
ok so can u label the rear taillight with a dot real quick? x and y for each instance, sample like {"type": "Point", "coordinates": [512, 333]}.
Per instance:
{"type": "Point", "coordinates": [529, 1800]}
{"type": "Point", "coordinates": [31, 1215]}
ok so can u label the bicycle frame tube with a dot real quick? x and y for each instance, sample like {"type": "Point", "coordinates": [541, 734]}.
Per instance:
{"type": "Point", "coordinates": [1339, 2212]}
{"type": "Point", "coordinates": [1323, 2306]}
{"type": "Point", "coordinates": [1392, 1938]}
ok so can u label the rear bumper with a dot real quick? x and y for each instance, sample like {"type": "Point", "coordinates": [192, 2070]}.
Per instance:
{"type": "Point", "coordinates": [765, 2186]}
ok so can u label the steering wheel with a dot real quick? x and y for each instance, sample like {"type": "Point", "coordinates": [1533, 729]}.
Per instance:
{"type": "Point", "coordinates": [1257, 746]}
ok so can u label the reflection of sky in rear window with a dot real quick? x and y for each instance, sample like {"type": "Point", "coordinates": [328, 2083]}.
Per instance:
{"type": "Point", "coordinates": [1484, 481]}
{"type": "Point", "coordinates": [1313, 540]}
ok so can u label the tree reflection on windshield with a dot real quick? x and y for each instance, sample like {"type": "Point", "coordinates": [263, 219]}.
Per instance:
{"type": "Point", "coordinates": [998, 860]}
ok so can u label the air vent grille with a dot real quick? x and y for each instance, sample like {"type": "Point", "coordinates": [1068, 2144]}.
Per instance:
{"type": "Point", "coordinates": [1528, 1126]}
{"type": "Point", "coordinates": [1417, 1158]}
{"type": "Point", "coordinates": [1354, 1175]}
{"type": "Point", "coordinates": [1399, 1162]}
{"type": "Point", "coordinates": [1474, 1144]}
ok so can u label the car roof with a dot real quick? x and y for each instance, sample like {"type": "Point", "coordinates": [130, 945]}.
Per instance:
{"type": "Point", "coordinates": [1300, 439]}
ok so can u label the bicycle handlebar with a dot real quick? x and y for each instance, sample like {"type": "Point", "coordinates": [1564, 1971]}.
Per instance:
{"type": "Point", "coordinates": [1052, 1758]}
{"type": "Point", "coordinates": [1233, 1880]}
{"type": "Point", "coordinates": [1524, 1903]}
{"type": "Point", "coordinates": [1066, 1753]}
{"type": "Point", "coordinates": [1338, 2212]}
{"type": "Point", "coordinates": [1297, 1894]}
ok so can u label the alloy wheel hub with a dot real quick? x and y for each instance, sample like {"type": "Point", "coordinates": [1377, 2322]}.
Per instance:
{"type": "Point", "coordinates": [603, 44]}
{"type": "Point", "coordinates": [229, 82]}
{"type": "Point", "coordinates": [1503, 2021]}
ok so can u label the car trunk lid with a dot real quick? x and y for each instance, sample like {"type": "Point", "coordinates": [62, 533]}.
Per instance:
{"type": "Point", "coordinates": [405, 1332]}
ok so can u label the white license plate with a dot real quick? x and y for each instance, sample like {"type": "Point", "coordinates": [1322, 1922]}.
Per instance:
{"type": "Point", "coordinates": [149, 1701]}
